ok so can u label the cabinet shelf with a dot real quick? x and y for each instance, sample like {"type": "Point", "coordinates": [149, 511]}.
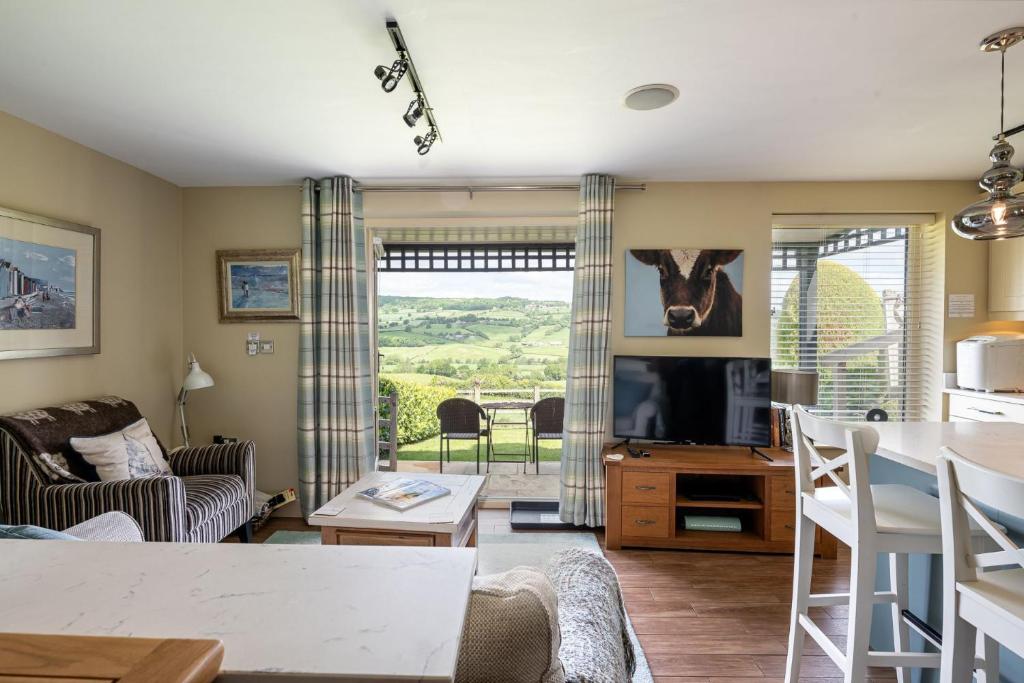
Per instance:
{"type": "Point", "coordinates": [683, 501]}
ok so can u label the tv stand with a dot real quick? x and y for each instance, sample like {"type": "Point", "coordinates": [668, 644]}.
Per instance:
{"type": "Point", "coordinates": [647, 499]}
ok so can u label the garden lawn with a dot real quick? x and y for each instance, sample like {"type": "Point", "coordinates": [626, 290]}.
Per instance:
{"type": "Point", "coordinates": [465, 451]}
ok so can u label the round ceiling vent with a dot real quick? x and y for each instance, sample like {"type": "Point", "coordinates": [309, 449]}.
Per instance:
{"type": "Point", "coordinates": [653, 96]}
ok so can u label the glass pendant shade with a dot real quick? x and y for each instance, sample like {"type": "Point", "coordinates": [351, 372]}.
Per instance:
{"type": "Point", "coordinates": [1001, 215]}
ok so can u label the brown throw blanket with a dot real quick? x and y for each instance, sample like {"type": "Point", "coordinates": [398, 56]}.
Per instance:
{"type": "Point", "coordinates": [595, 643]}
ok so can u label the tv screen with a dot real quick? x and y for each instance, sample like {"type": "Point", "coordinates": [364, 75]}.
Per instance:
{"type": "Point", "coordinates": [702, 401]}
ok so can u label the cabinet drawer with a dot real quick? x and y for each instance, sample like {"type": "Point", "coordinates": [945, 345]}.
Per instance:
{"type": "Point", "coordinates": [783, 526]}
{"type": "Point", "coordinates": [651, 488]}
{"type": "Point", "coordinates": [783, 493]}
{"type": "Point", "coordinates": [359, 537]}
{"type": "Point", "coordinates": [646, 522]}
{"type": "Point", "coordinates": [985, 409]}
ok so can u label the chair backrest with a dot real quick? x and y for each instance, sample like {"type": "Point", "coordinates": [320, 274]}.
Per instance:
{"type": "Point", "coordinates": [460, 416]}
{"type": "Point", "coordinates": [963, 487]}
{"type": "Point", "coordinates": [813, 439]}
{"type": "Point", "coordinates": [548, 415]}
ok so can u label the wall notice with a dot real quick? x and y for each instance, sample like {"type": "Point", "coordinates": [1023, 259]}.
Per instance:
{"type": "Point", "coordinates": [961, 306]}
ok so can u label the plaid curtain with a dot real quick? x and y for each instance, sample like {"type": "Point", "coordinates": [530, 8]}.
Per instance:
{"type": "Point", "coordinates": [581, 494]}
{"type": "Point", "coordinates": [336, 431]}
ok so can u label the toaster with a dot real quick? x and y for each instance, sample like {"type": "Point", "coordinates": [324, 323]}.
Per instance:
{"type": "Point", "coordinates": [991, 362]}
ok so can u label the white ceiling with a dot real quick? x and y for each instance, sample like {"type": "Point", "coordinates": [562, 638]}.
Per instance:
{"type": "Point", "coordinates": [252, 92]}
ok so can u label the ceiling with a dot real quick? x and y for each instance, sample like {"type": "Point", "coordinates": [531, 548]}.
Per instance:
{"type": "Point", "coordinates": [260, 92]}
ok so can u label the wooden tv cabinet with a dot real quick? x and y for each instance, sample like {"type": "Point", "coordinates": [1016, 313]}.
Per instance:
{"type": "Point", "coordinates": [648, 497]}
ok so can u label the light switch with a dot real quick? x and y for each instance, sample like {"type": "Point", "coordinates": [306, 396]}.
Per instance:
{"type": "Point", "coordinates": [267, 346]}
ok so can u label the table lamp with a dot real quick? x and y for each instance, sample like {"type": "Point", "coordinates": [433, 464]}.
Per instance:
{"type": "Point", "coordinates": [790, 388]}
{"type": "Point", "coordinates": [195, 379]}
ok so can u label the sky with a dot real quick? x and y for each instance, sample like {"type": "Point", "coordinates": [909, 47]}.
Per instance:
{"type": "Point", "coordinates": [53, 264]}
{"type": "Point", "coordinates": [539, 286]}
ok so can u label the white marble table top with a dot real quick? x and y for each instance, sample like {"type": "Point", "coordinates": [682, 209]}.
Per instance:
{"type": "Point", "coordinates": [284, 612]}
{"type": "Point", "coordinates": [441, 514]}
{"type": "Point", "coordinates": [996, 445]}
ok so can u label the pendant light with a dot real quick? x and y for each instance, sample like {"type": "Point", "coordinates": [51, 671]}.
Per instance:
{"type": "Point", "coordinates": [1001, 215]}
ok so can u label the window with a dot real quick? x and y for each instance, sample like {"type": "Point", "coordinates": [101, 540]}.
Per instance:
{"type": "Point", "coordinates": [858, 305]}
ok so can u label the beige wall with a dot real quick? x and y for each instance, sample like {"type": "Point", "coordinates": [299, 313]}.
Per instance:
{"type": "Point", "coordinates": [255, 397]}
{"type": "Point", "coordinates": [139, 217]}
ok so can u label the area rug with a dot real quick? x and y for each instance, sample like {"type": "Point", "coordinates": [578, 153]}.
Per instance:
{"type": "Point", "coordinates": [500, 552]}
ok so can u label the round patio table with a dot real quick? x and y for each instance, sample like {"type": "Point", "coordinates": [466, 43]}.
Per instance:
{"type": "Point", "coordinates": [493, 454]}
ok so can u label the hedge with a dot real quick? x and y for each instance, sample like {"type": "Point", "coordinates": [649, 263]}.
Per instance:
{"type": "Point", "coordinates": [417, 408]}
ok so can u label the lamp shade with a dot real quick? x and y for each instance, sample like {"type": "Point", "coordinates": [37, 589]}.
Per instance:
{"type": "Point", "coordinates": [196, 377]}
{"type": "Point", "coordinates": [999, 216]}
{"type": "Point", "coordinates": [793, 387]}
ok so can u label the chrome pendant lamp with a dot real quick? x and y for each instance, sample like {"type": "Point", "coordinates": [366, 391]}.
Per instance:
{"type": "Point", "coordinates": [1001, 215]}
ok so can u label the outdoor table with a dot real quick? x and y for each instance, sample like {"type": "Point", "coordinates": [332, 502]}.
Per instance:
{"type": "Point", "coordinates": [493, 454]}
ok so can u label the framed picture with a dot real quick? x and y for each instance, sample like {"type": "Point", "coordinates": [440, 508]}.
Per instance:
{"type": "Point", "coordinates": [684, 292]}
{"type": "Point", "coordinates": [49, 287]}
{"type": "Point", "coordinates": [258, 284]}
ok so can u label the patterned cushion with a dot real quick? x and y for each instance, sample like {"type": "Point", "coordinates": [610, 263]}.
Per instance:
{"type": "Point", "coordinates": [126, 454]}
{"type": "Point", "coordinates": [110, 526]}
{"type": "Point", "coordinates": [207, 495]}
{"type": "Point", "coordinates": [511, 628]}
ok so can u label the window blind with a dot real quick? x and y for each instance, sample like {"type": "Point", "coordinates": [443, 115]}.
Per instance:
{"type": "Point", "coordinates": [861, 305]}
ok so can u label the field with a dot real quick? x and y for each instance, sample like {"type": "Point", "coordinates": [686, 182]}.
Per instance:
{"type": "Point", "coordinates": [507, 344]}
{"type": "Point", "coordinates": [519, 339]}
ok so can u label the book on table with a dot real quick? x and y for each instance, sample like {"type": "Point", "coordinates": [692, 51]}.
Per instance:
{"type": "Point", "coordinates": [402, 494]}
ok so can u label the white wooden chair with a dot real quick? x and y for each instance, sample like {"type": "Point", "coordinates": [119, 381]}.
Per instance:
{"type": "Point", "coordinates": [892, 519]}
{"type": "Point", "coordinates": [983, 592]}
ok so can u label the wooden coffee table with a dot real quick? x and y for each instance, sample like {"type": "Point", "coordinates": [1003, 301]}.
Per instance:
{"type": "Point", "coordinates": [449, 521]}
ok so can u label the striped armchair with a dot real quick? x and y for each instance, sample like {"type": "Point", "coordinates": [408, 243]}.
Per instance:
{"type": "Point", "coordinates": [44, 482]}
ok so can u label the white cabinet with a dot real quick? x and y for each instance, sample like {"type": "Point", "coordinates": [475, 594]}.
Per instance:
{"type": "Point", "coordinates": [1006, 279]}
{"type": "Point", "coordinates": [971, 406]}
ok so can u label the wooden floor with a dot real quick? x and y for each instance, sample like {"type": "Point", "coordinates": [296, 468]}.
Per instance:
{"type": "Point", "coordinates": [709, 617]}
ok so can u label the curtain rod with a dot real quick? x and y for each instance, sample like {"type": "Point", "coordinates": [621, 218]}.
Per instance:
{"type": "Point", "coordinates": [571, 187]}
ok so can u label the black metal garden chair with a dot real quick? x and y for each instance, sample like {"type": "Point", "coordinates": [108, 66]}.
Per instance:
{"type": "Point", "coordinates": [461, 420]}
{"type": "Point", "coordinates": [547, 417]}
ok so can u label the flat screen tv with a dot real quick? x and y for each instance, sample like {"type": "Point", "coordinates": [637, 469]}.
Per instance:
{"type": "Point", "coordinates": [700, 401]}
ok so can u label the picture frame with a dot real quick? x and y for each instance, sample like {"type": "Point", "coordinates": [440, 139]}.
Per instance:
{"type": "Point", "coordinates": [49, 287]}
{"type": "Point", "coordinates": [684, 292]}
{"type": "Point", "coordinates": [258, 285]}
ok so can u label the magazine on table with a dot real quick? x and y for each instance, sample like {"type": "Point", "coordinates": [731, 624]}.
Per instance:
{"type": "Point", "coordinates": [402, 494]}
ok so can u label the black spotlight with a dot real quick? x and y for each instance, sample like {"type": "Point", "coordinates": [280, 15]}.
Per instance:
{"type": "Point", "coordinates": [389, 78]}
{"type": "Point", "coordinates": [423, 142]}
{"type": "Point", "coordinates": [413, 113]}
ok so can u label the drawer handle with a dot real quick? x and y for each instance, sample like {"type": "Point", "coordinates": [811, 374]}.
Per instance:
{"type": "Point", "coordinates": [645, 522]}
{"type": "Point", "coordinates": [986, 412]}
{"type": "Point", "coordinates": [790, 526]}
{"type": "Point", "coordinates": [646, 488]}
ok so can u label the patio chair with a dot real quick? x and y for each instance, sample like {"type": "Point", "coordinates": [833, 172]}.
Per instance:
{"type": "Point", "coordinates": [547, 417]}
{"type": "Point", "coordinates": [461, 421]}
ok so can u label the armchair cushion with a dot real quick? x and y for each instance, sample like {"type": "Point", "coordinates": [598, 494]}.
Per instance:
{"type": "Point", "coordinates": [126, 454]}
{"type": "Point", "coordinates": [206, 496]}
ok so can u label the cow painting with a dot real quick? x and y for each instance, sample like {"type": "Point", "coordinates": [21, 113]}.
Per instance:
{"type": "Point", "coordinates": [684, 292]}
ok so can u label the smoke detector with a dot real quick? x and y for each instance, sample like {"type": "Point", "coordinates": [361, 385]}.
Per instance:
{"type": "Point", "coordinates": [652, 96]}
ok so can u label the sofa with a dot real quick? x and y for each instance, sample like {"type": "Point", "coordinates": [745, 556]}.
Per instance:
{"type": "Point", "coordinates": [563, 622]}
{"type": "Point", "coordinates": [45, 482]}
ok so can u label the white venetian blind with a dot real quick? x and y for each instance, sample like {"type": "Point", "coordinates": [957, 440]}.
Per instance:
{"type": "Point", "coordinates": [859, 299]}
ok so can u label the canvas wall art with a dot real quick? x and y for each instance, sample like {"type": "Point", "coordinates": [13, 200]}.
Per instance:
{"type": "Point", "coordinates": [684, 292]}
{"type": "Point", "coordinates": [258, 284]}
{"type": "Point", "coordinates": [49, 287]}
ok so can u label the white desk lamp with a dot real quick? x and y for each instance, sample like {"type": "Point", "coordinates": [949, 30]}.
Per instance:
{"type": "Point", "coordinates": [195, 379]}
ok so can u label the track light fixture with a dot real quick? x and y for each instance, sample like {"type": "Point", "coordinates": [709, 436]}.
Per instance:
{"type": "Point", "coordinates": [389, 78]}
{"type": "Point", "coordinates": [419, 107]}
{"type": "Point", "coordinates": [424, 142]}
{"type": "Point", "coordinates": [414, 112]}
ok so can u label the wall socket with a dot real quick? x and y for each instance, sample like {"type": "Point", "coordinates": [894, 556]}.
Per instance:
{"type": "Point", "coordinates": [266, 346]}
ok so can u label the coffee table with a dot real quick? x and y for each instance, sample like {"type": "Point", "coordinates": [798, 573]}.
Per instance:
{"type": "Point", "coordinates": [449, 521]}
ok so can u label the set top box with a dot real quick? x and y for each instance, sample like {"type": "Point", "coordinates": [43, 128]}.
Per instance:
{"type": "Point", "coordinates": [695, 401]}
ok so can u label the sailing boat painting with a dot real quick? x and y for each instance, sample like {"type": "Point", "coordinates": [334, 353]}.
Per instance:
{"type": "Point", "coordinates": [259, 284]}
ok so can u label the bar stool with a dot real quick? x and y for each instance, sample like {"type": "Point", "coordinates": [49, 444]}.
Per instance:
{"type": "Point", "coordinates": [892, 519]}
{"type": "Point", "coordinates": [983, 592]}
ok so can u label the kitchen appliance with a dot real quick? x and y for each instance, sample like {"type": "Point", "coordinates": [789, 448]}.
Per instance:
{"type": "Point", "coordinates": [991, 362]}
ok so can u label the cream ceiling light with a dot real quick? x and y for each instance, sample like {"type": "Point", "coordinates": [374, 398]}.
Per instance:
{"type": "Point", "coordinates": [652, 96]}
{"type": "Point", "coordinates": [1001, 215]}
